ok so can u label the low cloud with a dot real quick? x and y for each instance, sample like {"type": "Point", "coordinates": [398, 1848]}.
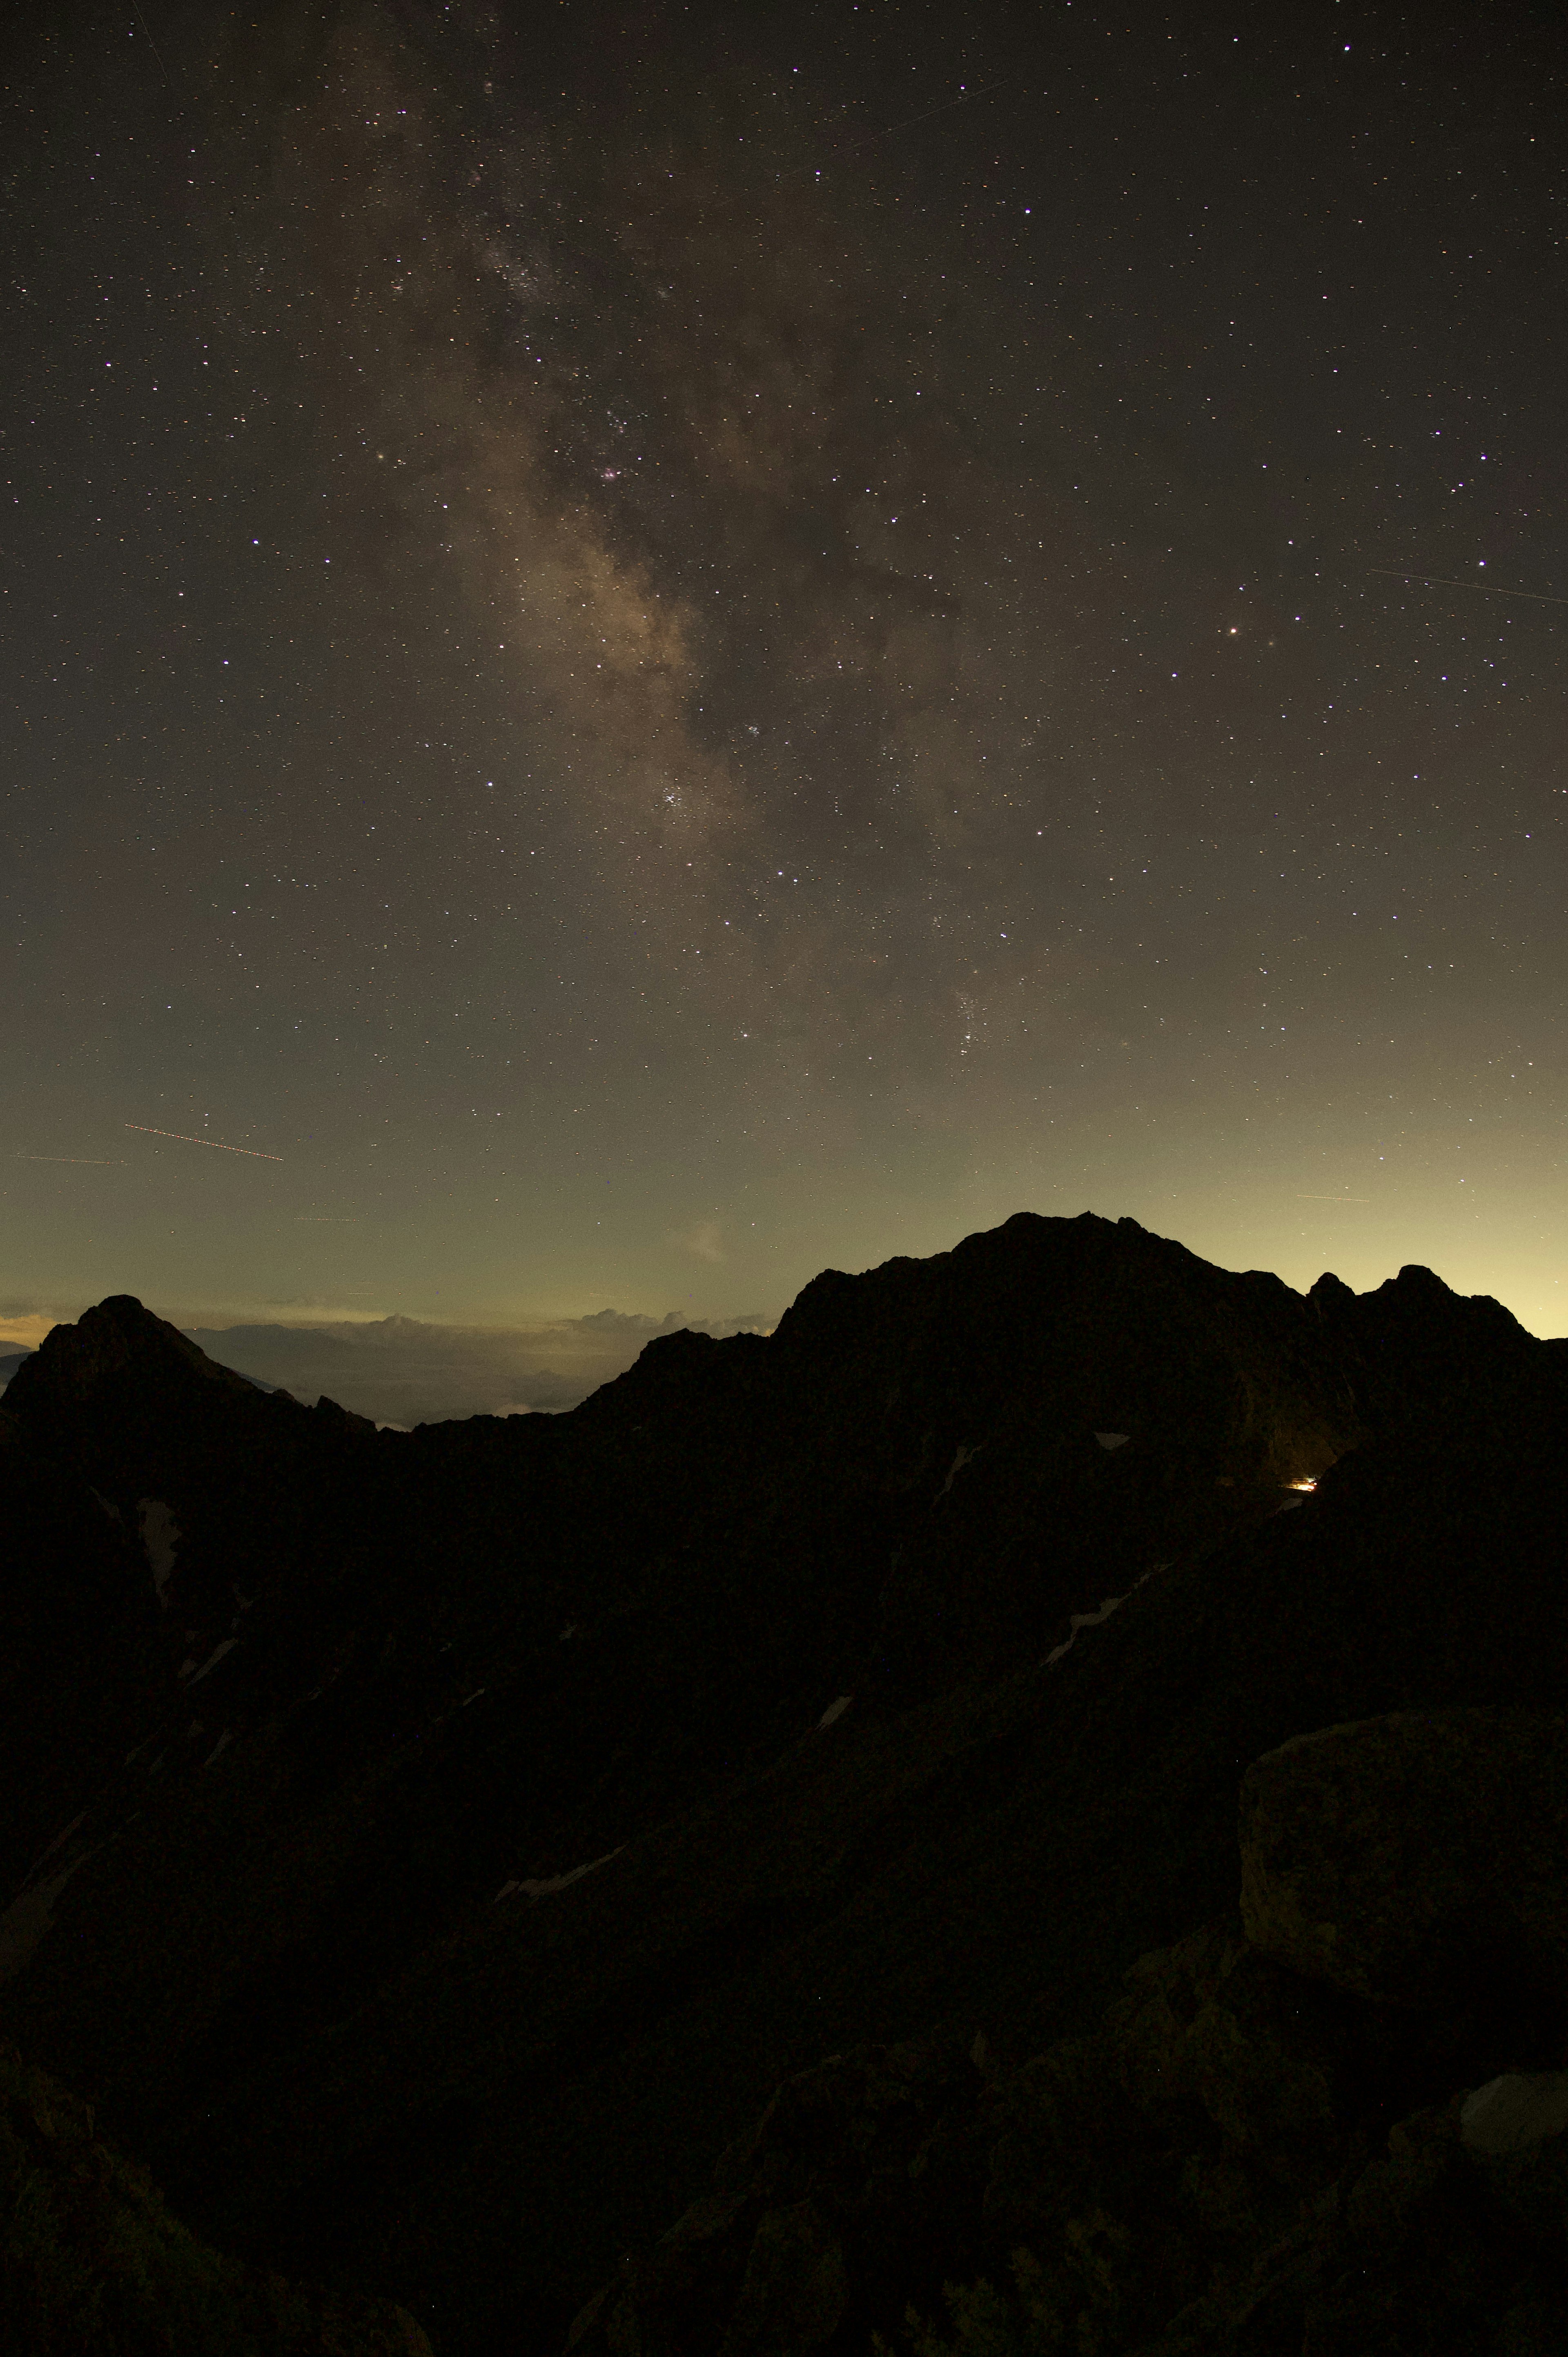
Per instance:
{"type": "Point", "coordinates": [402, 1372]}
{"type": "Point", "coordinates": [23, 1325]}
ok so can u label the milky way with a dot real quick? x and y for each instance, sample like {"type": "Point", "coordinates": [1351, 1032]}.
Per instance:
{"type": "Point", "coordinates": [666, 648]}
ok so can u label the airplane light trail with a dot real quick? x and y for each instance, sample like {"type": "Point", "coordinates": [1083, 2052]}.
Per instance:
{"type": "Point", "coordinates": [157, 53]}
{"type": "Point", "coordinates": [216, 1143]}
{"type": "Point", "coordinates": [1333, 1199]}
{"type": "Point", "coordinates": [1444, 581]}
{"type": "Point", "coordinates": [81, 1161]}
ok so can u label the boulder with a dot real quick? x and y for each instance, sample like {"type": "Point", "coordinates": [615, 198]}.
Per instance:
{"type": "Point", "coordinates": [1212, 2022]}
{"type": "Point", "coordinates": [1515, 2130]}
{"type": "Point", "coordinates": [1516, 2111]}
{"type": "Point", "coordinates": [1420, 1859]}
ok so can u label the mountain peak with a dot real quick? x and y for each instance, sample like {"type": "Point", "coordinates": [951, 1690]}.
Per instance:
{"type": "Point", "coordinates": [74, 1362]}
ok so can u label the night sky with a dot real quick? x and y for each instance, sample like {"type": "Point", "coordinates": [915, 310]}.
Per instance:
{"type": "Point", "coordinates": [649, 649]}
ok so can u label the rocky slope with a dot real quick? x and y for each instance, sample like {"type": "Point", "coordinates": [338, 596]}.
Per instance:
{"type": "Point", "coordinates": [431, 1850]}
{"type": "Point", "coordinates": [91, 2263]}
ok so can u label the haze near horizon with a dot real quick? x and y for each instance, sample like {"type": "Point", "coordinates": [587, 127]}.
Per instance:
{"type": "Point", "coordinates": [404, 1371]}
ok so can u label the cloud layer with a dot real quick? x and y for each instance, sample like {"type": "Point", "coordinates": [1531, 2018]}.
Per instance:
{"type": "Point", "coordinates": [402, 1372]}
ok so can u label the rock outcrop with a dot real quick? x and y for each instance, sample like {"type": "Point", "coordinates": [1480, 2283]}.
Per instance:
{"type": "Point", "coordinates": [1242, 2154]}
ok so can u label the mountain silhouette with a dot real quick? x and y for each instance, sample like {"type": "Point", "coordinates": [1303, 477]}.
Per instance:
{"type": "Point", "coordinates": [429, 1853]}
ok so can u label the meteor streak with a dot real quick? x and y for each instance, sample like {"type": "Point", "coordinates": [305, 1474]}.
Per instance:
{"type": "Point", "coordinates": [216, 1143]}
{"type": "Point", "coordinates": [82, 1161]}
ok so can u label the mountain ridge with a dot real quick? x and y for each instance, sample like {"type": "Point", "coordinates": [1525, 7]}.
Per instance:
{"type": "Point", "coordinates": [729, 1681]}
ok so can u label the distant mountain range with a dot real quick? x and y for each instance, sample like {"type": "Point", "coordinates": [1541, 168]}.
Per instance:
{"type": "Point", "coordinates": [807, 1827]}
{"type": "Point", "coordinates": [407, 1371]}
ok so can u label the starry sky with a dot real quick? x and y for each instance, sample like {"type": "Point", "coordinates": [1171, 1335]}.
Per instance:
{"type": "Point", "coordinates": [649, 647]}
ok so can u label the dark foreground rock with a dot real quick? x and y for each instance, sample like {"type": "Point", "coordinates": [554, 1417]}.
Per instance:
{"type": "Point", "coordinates": [93, 2265]}
{"type": "Point", "coordinates": [1239, 2155]}
{"type": "Point", "coordinates": [1418, 1857]}
{"type": "Point", "coordinates": [427, 1852]}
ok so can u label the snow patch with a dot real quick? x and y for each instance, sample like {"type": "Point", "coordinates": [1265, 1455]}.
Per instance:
{"type": "Point", "coordinates": [160, 1537]}
{"type": "Point", "coordinates": [556, 1881]}
{"type": "Point", "coordinates": [964, 1457]}
{"type": "Point", "coordinates": [211, 1662]}
{"type": "Point", "coordinates": [1112, 1439]}
{"type": "Point", "coordinates": [1078, 1620]}
{"type": "Point", "coordinates": [834, 1710]}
